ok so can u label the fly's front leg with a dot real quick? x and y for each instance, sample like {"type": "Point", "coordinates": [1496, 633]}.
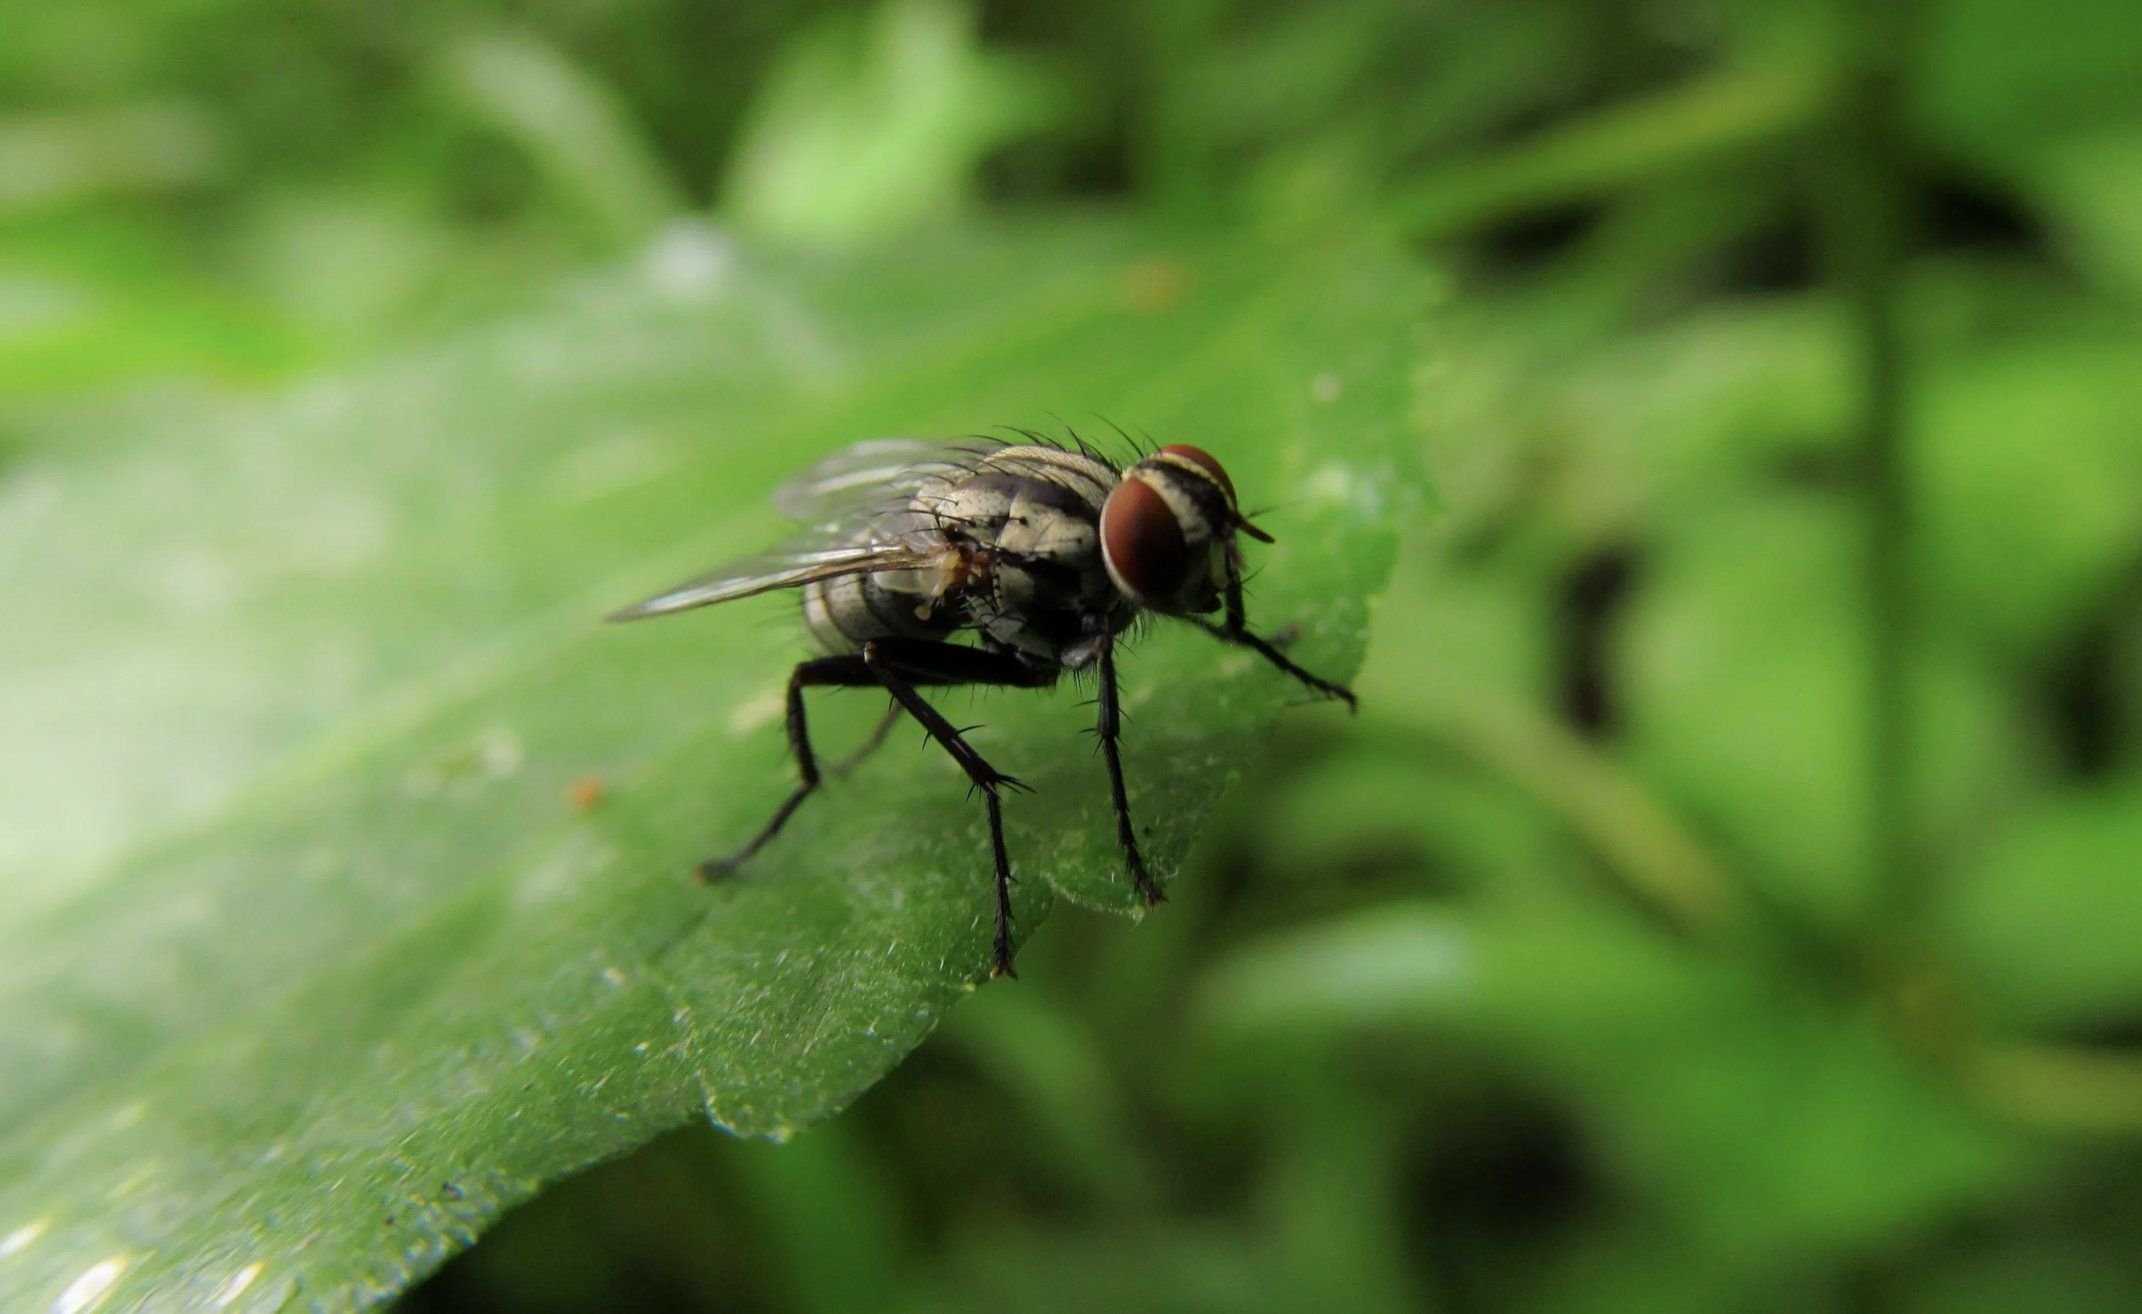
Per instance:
{"type": "Point", "coordinates": [820, 671]}
{"type": "Point", "coordinates": [1236, 631]}
{"type": "Point", "coordinates": [1109, 729]}
{"type": "Point", "coordinates": [899, 666]}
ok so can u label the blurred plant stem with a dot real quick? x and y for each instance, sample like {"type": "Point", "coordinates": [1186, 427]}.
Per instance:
{"type": "Point", "coordinates": [1730, 116]}
{"type": "Point", "coordinates": [1059, 1071]}
{"type": "Point", "coordinates": [574, 128]}
{"type": "Point", "coordinates": [1860, 205]}
{"type": "Point", "coordinates": [2054, 1088]}
{"type": "Point", "coordinates": [830, 1184]}
{"type": "Point", "coordinates": [1331, 1197]}
{"type": "Point", "coordinates": [144, 148]}
{"type": "Point", "coordinates": [1639, 842]}
{"type": "Point", "coordinates": [1669, 872]}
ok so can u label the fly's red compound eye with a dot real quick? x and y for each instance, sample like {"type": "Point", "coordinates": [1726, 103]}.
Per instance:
{"type": "Point", "coordinates": [1205, 461]}
{"type": "Point", "coordinates": [1142, 542]}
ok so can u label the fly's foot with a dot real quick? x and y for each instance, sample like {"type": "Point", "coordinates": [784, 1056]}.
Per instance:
{"type": "Point", "coordinates": [1340, 692]}
{"type": "Point", "coordinates": [716, 869]}
{"type": "Point", "coordinates": [992, 781]}
{"type": "Point", "coordinates": [1285, 637]}
{"type": "Point", "coordinates": [1148, 888]}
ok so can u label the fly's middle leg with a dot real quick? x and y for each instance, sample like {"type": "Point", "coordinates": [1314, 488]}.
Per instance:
{"type": "Point", "coordinates": [833, 671]}
{"type": "Point", "coordinates": [1109, 729]}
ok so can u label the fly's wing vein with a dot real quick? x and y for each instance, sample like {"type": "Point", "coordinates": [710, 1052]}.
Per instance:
{"type": "Point", "coordinates": [869, 479]}
{"type": "Point", "coordinates": [783, 568]}
{"type": "Point", "coordinates": [863, 511]}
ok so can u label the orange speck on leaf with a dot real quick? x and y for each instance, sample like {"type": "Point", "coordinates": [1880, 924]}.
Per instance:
{"type": "Point", "coordinates": [1154, 285]}
{"type": "Point", "coordinates": [585, 793]}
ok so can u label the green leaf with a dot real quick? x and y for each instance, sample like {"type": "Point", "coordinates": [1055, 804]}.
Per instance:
{"type": "Point", "coordinates": [2041, 921]}
{"type": "Point", "coordinates": [874, 123]}
{"type": "Point", "coordinates": [309, 966]}
{"type": "Point", "coordinates": [1743, 661]}
{"type": "Point", "coordinates": [2000, 82]}
{"type": "Point", "coordinates": [1671, 1056]}
{"type": "Point", "coordinates": [570, 125]}
{"type": "Point", "coordinates": [2025, 537]}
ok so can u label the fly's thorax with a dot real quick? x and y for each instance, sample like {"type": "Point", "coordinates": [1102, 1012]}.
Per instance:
{"type": "Point", "coordinates": [1167, 531]}
{"type": "Point", "coordinates": [1029, 505]}
{"type": "Point", "coordinates": [1089, 477]}
{"type": "Point", "coordinates": [1020, 488]}
{"type": "Point", "coordinates": [1034, 513]}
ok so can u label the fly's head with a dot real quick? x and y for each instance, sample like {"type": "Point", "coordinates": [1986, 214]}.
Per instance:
{"type": "Point", "coordinates": [1168, 531]}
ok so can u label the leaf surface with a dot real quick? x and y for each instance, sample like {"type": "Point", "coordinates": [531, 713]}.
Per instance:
{"type": "Point", "coordinates": [348, 851]}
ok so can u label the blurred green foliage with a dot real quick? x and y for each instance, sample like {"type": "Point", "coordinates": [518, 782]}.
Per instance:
{"type": "Point", "coordinates": [1727, 898]}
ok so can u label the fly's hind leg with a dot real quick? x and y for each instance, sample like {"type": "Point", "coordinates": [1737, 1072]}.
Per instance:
{"type": "Point", "coordinates": [822, 671]}
{"type": "Point", "coordinates": [842, 766]}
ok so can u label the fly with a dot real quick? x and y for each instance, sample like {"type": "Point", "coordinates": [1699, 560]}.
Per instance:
{"type": "Point", "coordinates": [1041, 556]}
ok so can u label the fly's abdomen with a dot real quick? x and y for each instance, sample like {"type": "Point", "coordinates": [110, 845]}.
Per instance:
{"type": "Point", "coordinates": [843, 614]}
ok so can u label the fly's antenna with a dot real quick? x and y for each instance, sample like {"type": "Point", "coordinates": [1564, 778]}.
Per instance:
{"type": "Point", "coordinates": [1272, 508]}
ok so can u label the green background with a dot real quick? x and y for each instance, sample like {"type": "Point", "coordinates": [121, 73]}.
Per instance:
{"type": "Point", "coordinates": [1712, 431]}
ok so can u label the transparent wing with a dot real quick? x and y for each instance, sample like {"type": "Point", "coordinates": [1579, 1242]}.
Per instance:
{"type": "Point", "coordinates": [786, 567]}
{"type": "Point", "coordinates": [857, 484]}
{"type": "Point", "coordinates": [858, 512]}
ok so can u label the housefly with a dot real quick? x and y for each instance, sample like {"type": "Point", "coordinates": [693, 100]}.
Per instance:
{"type": "Point", "coordinates": [998, 563]}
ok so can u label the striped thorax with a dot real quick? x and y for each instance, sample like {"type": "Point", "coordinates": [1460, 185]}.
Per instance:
{"type": "Point", "coordinates": [1021, 563]}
